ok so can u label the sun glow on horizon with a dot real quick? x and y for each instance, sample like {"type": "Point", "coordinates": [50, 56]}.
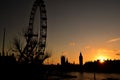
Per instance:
{"type": "Point", "coordinates": [101, 58]}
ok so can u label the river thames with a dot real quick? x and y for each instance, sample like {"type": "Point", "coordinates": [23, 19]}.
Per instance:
{"type": "Point", "coordinates": [87, 76]}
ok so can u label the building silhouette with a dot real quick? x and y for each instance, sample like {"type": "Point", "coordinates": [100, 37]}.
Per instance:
{"type": "Point", "coordinates": [63, 61]}
{"type": "Point", "coordinates": [81, 61]}
{"type": "Point", "coordinates": [5, 59]}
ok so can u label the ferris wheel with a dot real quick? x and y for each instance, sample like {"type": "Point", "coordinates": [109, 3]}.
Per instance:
{"type": "Point", "coordinates": [43, 24]}
{"type": "Point", "coordinates": [36, 43]}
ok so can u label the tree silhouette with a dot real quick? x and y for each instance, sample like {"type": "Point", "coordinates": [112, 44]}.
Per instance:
{"type": "Point", "coordinates": [25, 58]}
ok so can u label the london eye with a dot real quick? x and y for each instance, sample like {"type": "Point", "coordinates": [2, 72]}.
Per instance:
{"type": "Point", "coordinates": [35, 43]}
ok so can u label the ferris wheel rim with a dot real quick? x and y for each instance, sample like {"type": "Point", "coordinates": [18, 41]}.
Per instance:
{"type": "Point", "coordinates": [43, 24]}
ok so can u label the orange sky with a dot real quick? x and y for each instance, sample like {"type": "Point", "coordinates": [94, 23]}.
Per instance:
{"type": "Point", "coordinates": [88, 26]}
{"type": "Point", "coordinates": [109, 50]}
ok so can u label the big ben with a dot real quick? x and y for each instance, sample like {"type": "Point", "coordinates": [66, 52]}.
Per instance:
{"type": "Point", "coordinates": [81, 61]}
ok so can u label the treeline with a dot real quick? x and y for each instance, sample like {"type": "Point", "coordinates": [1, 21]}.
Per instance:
{"type": "Point", "coordinates": [108, 66]}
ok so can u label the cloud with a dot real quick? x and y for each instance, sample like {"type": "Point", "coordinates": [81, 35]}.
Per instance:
{"type": "Point", "coordinates": [87, 47]}
{"type": "Point", "coordinates": [64, 53]}
{"type": "Point", "coordinates": [104, 51]}
{"type": "Point", "coordinates": [118, 54]}
{"type": "Point", "coordinates": [72, 43]}
{"type": "Point", "coordinates": [113, 40]}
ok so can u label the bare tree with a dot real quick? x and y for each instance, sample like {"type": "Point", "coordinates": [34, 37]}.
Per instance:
{"type": "Point", "coordinates": [26, 58]}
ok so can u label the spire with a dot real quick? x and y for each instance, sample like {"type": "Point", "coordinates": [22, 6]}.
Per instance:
{"type": "Point", "coordinates": [80, 53]}
{"type": "Point", "coordinates": [81, 59]}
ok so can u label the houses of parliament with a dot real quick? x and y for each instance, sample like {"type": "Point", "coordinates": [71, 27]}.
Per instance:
{"type": "Point", "coordinates": [65, 63]}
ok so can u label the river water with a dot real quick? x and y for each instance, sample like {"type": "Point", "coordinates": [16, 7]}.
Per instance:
{"type": "Point", "coordinates": [92, 76]}
{"type": "Point", "coordinates": [88, 76]}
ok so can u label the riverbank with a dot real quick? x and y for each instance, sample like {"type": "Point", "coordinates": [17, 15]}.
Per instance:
{"type": "Point", "coordinates": [45, 72]}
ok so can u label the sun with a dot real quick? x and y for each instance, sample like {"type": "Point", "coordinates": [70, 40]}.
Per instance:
{"type": "Point", "coordinates": [101, 58]}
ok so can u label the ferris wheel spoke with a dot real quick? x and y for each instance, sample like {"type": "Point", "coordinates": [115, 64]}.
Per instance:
{"type": "Point", "coordinates": [36, 47]}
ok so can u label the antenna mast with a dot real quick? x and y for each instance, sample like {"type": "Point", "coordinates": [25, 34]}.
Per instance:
{"type": "Point", "coordinates": [3, 53]}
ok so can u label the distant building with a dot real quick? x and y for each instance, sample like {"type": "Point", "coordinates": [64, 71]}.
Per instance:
{"type": "Point", "coordinates": [63, 61]}
{"type": "Point", "coordinates": [81, 59]}
{"type": "Point", "coordinates": [7, 59]}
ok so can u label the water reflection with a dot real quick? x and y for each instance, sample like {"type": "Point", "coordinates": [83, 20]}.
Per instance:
{"type": "Point", "coordinates": [90, 76]}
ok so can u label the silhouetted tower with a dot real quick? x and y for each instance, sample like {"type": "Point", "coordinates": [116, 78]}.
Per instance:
{"type": "Point", "coordinates": [63, 61]}
{"type": "Point", "coordinates": [3, 53]}
{"type": "Point", "coordinates": [66, 61]}
{"type": "Point", "coordinates": [81, 61]}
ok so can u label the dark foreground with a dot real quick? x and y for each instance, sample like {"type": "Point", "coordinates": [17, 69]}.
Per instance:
{"type": "Point", "coordinates": [37, 72]}
{"type": "Point", "coordinates": [31, 72]}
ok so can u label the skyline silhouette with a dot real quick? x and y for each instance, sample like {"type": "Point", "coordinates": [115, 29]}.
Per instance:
{"type": "Point", "coordinates": [60, 37]}
{"type": "Point", "coordinates": [91, 27]}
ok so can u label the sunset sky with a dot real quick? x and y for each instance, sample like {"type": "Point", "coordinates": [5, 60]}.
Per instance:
{"type": "Point", "coordinates": [88, 26]}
